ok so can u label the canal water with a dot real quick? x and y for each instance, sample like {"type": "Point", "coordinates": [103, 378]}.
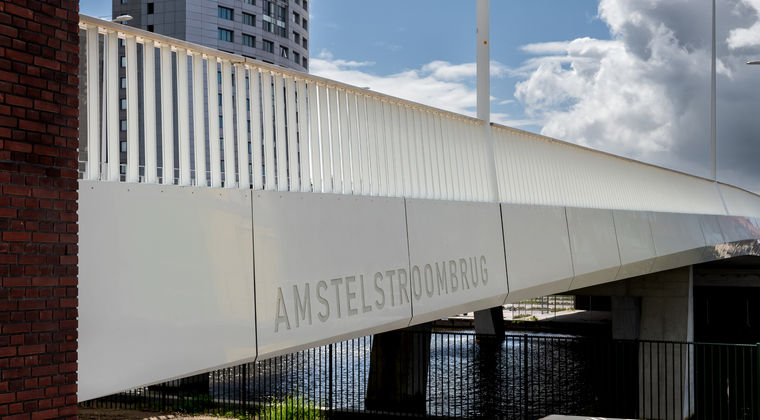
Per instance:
{"type": "Point", "coordinates": [522, 375]}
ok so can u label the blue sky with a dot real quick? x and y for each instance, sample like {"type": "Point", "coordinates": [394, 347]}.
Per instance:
{"type": "Point", "coordinates": [629, 77]}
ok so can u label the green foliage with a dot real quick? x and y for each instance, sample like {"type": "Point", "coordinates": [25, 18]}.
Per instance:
{"type": "Point", "coordinates": [292, 408]}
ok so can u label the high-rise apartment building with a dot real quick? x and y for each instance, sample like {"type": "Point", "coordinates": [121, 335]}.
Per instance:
{"type": "Point", "coordinates": [273, 31]}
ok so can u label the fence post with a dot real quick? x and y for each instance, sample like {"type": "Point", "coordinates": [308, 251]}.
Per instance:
{"type": "Point", "coordinates": [330, 384]}
{"type": "Point", "coordinates": [757, 381]}
{"type": "Point", "coordinates": [525, 376]}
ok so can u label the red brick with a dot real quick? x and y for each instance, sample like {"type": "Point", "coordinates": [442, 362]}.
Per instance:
{"type": "Point", "coordinates": [16, 236]}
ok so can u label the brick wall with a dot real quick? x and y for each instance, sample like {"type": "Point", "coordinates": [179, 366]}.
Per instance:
{"type": "Point", "coordinates": [39, 51]}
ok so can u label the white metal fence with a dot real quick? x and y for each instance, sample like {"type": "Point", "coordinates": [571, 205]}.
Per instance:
{"type": "Point", "coordinates": [161, 110]}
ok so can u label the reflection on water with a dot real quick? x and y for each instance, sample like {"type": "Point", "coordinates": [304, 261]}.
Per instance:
{"type": "Point", "coordinates": [518, 376]}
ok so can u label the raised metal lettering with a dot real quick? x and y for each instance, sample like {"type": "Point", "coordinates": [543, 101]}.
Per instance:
{"type": "Point", "coordinates": [365, 308]}
{"type": "Point", "coordinates": [453, 276]}
{"type": "Point", "coordinates": [463, 273]}
{"type": "Point", "coordinates": [416, 286]}
{"type": "Point", "coordinates": [336, 283]}
{"type": "Point", "coordinates": [390, 274]}
{"type": "Point", "coordinates": [379, 304]}
{"type": "Point", "coordinates": [442, 283]}
{"type": "Point", "coordinates": [483, 270]}
{"type": "Point", "coordinates": [277, 317]}
{"type": "Point", "coordinates": [403, 286]}
{"type": "Point", "coordinates": [350, 295]}
{"type": "Point", "coordinates": [429, 285]}
{"type": "Point", "coordinates": [323, 317]}
{"type": "Point", "coordinates": [303, 306]}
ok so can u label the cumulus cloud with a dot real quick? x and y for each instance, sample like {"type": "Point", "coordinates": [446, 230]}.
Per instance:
{"type": "Point", "coordinates": [439, 83]}
{"type": "Point", "coordinates": [646, 92]}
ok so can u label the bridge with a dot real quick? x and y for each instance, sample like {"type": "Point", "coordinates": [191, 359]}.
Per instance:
{"type": "Point", "coordinates": [236, 211]}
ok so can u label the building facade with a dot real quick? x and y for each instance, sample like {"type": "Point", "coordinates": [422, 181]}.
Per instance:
{"type": "Point", "coordinates": [273, 31]}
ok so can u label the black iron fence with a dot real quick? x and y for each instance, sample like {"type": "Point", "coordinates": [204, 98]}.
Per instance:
{"type": "Point", "coordinates": [466, 376]}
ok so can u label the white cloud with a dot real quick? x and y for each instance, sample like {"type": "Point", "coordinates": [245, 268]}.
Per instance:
{"type": "Point", "coordinates": [645, 93]}
{"type": "Point", "coordinates": [438, 83]}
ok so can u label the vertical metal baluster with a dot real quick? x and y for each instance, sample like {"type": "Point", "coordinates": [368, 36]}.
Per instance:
{"type": "Point", "coordinates": [294, 179]}
{"type": "Point", "coordinates": [268, 121]}
{"type": "Point", "coordinates": [324, 138]}
{"type": "Point", "coordinates": [354, 121]}
{"type": "Point", "coordinates": [93, 101]}
{"type": "Point", "coordinates": [364, 144]}
{"type": "Point", "coordinates": [167, 116]}
{"type": "Point", "coordinates": [133, 137]}
{"type": "Point", "coordinates": [230, 180]}
{"type": "Point", "coordinates": [254, 96]}
{"type": "Point", "coordinates": [303, 137]}
{"type": "Point", "coordinates": [214, 142]}
{"type": "Point", "coordinates": [280, 140]}
{"type": "Point", "coordinates": [199, 133]}
{"type": "Point", "coordinates": [345, 145]}
{"type": "Point", "coordinates": [183, 118]}
{"type": "Point", "coordinates": [111, 96]}
{"type": "Point", "coordinates": [315, 149]}
{"type": "Point", "coordinates": [241, 115]}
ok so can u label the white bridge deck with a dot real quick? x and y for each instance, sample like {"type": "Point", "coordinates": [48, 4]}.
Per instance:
{"type": "Point", "coordinates": [339, 213]}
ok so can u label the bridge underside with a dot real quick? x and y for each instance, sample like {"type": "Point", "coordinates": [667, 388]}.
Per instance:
{"type": "Point", "coordinates": [204, 278]}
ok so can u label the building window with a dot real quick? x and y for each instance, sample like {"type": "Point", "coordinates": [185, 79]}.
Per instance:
{"type": "Point", "coordinates": [249, 19]}
{"type": "Point", "coordinates": [123, 147]}
{"type": "Point", "coordinates": [220, 99]}
{"type": "Point", "coordinates": [296, 18]}
{"type": "Point", "coordinates": [123, 1]}
{"type": "Point", "coordinates": [224, 12]}
{"type": "Point", "coordinates": [123, 103]}
{"type": "Point", "coordinates": [298, 2]}
{"type": "Point", "coordinates": [253, 2]}
{"type": "Point", "coordinates": [150, 28]}
{"type": "Point", "coordinates": [123, 125]}
{"type": "Point", "coordinates": [282, 13]}
{"type": "Point", "coordinates": [306, 43]}
{"type": "Point", "coordinates": [225, 35]}
{"type": "Point", "coordinates": [296, 37]}
{"type": "Point", "coordinates": [247, 103]}
{"type": "Point", "coordinates": [249, 41]}
{"type": "Point", "coordinates": [268, 46]}
{"type": "Point", "coordinates": [305, 4]}
{"type": "Point", "coordinates": [305, 63]}
{"type": "Point", "coordinates": [268, 26]}
{"type": "Point", "coordinates": [122, 169]}
{"type": "Point", "coordinates": [123, 61]}
{"type": "Point", "coordinates": [305, 24]}
{"type": "Point", "coordinates": [123, 82]}
{"type": "Point", "coordinates": [151, 8]}
{"type": "Point", "coordinates": [268, 8]}
{"type": "Point", "coordinates": [221, 124]}
{"type": "Point", "coordinates": [283, 52]}
{"type": "Point", "coordinates": [296, 57]}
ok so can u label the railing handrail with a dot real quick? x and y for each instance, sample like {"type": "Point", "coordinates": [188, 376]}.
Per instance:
{"type": "Point", "coordinates": [312, 134]}
{"type": "Point", "coordinates": [612, 155]}
{"type": "Point", "coordinates": [239, 59]}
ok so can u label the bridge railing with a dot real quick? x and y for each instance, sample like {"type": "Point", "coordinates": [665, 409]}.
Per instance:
{"type": "Point", "coordinates": [223, 120]}
{"type": "Point", "coordinates": [155, 109]}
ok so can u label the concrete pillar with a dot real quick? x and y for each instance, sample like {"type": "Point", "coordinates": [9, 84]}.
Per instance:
{"type": "Point", "coordinates": [398, 370]}
{"type": "Point", "coordinates": [490, 321]}
{"type": "Point", "coordinates": [626, 317]}
{"type": "Point", "coordinates": [654, 308]}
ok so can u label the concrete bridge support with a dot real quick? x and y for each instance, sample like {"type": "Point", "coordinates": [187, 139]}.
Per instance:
{"type": "Point", "coordinates": [490, 321]}
{"type": "Point", "coordinates": [399, 369]}
{"type": "Point", "coordinates": [657, 307]}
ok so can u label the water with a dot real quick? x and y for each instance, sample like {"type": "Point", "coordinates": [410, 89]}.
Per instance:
{"type": "Point", "coordinates": [522, 375]}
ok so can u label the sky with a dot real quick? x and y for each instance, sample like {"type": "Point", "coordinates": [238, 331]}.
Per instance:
{"type": "Point", "coordinates": [630, 77]}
